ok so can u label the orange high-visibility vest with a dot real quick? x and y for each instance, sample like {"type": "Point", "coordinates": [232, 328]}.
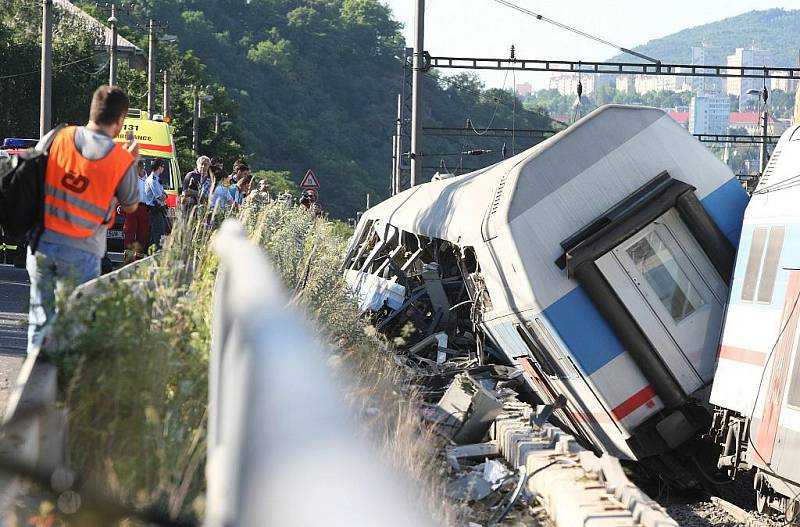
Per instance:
{"type": "Point", "coordinates": [78, 191]}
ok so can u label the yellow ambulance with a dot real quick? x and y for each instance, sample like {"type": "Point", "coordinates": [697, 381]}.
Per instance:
{"type": "Point", "coordinates": [154, 136]}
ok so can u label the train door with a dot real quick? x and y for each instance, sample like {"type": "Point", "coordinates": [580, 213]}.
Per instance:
{"type": "Point", "coordinates": [674, 293]}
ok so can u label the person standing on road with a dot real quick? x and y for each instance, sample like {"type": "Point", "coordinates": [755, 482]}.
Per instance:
{"type": "Point", "coordinates": [156, 200]}
{"type": "Point", "coordinates": [196, 183]}
{"type": "Point", "coordinates": [87, 176]}
{"type": "Point", "coordinates": [136, 230]}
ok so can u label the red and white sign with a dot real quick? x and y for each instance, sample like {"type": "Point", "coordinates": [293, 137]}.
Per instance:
{"type": "Point", "coordinates": [310, 181]}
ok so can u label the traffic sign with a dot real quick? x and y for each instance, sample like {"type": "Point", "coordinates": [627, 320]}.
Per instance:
{"type": "Point", "coordinates": [310, 181]}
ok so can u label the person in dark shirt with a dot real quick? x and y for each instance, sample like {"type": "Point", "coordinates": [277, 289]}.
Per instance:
{"type": "Point", "coordinates": [196, 184]}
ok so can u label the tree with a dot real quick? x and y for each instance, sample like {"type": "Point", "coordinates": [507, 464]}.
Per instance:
{"type": "Point", "coordinates": [75, 71]}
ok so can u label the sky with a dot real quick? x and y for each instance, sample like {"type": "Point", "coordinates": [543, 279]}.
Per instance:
{"type": "Point", "coordinates": [485, 28]}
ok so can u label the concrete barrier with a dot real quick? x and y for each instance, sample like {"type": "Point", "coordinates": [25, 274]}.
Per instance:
{"type": "Point", "coordinates": [576, 488]}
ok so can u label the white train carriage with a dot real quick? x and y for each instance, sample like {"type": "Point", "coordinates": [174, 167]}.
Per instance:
{"type": "Point", "coordinates": [757, 382]}
{"type": "Point", "coordinates": [605, 252]}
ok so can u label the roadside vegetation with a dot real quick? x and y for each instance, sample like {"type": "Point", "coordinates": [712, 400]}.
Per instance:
{"type": "Point", "coordinates": [133, 360]}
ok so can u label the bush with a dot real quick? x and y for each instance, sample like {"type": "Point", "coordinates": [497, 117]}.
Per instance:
{"type": "Point", "coordinates": [135, 377]}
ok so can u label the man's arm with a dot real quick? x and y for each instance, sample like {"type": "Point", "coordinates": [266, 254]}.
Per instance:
{"type": "Point", "coordinates": [127, 192]}
{"type": "Point", "coordinates": [187, 189]}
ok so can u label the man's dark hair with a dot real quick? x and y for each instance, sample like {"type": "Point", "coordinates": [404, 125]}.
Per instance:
{"type": "Point", "coordinates": [156, 164]}
{"type": "Point", "coordinates": [108, 104]}
{"type": "Point", "coordinates": [240, 166]}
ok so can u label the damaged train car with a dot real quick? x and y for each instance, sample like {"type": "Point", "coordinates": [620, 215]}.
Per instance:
{"type": "Point", "coordinates": [757, 383]}
{"type": "Point", "coordinates": [597, 261]}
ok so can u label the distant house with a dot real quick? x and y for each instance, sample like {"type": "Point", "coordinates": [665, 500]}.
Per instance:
{"type": "Point", "coordinates": [751, 121]}
{"type": "Point", "coordinates": [525, 89]}
{"type": "Point", "coordinates": [126, 50]}
{"type": "Point", "coordinates": [682, 118]}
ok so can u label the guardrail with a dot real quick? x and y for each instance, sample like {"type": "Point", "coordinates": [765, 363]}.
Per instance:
{"type": "Point", "coordinates": [34, 429]}
{"type": "Point", "coordinates": [283, 448]}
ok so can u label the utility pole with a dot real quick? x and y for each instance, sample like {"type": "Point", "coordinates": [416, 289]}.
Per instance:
{"type": "Point", "coordinates": [167, 100]}
{"type": "Point", "coordinates": [764, 125]}
{"type": "Point", "coordinates": [112, 59]}
{"type": "Point", "coordinates": [393, 177]}
{"type": "Point", "coordinates": [416, 93]}
{"type": "Point", "coordinates": [195, 119]}
{"type": "Point", "coordinates": [398, 147]}
{"type": "Point", "coordinates": [151, 67]}
{"type": "Point", "coordinates": [45, 98]}
{"type": "Point", "coordinates": [153, 29]}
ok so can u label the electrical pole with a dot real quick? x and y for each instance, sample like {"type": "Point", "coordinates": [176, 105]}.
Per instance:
{"type": "Point", "coordinates": [45, 98]}
{"type": "Point", "coordinates": [764, 125]}
{"type": "Point", "coordinates": [416, 93]}
{"type": "Point", "coordinates": [392, 178]}
{"type": "Point", "coordinates": [167, 100]}
{"type": "Point", "coordinates": [398, 139]}
{"type": "Point", "coordinates": [195, 119]}
{"type": "Point", "coordinates": [151, 67]}
{"type": "Point", "coordinates": [112, 59]}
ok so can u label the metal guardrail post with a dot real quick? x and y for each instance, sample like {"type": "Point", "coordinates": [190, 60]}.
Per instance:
{"type": "Point", "coordinates": [283, 448]}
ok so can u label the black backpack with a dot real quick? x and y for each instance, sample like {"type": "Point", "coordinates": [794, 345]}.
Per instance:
{"type": "Point", "coordinates": [22, 191]}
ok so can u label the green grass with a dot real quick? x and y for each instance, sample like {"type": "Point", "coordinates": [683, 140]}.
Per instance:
{"type": "Point", "coordinates": [134, 372]}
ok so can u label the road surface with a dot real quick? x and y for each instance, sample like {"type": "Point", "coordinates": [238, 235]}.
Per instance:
{"type": "Point", "coordinates": [13, 329]}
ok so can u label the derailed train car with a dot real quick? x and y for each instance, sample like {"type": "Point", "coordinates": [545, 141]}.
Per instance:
{"type": "Point", "coordinates": [598, 261]}
{"type": "Point", "coordinates": [757, 383]}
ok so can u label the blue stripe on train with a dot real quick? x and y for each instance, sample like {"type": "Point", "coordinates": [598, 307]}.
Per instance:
{"type": "Point", "coordinates": [726, 207]}
{"type": "Point", "coordinates": [589, 338]}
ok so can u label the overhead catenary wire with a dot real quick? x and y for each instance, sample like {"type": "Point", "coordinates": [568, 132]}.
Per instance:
{"type": "Point", "coordinates": [576, 31]}
{"type": "Point", "coordinates": [480, 92]}
{"type": "Point", "coordinates": [494, 113]}
{"type": "Point", "coordinates": [55, 68]}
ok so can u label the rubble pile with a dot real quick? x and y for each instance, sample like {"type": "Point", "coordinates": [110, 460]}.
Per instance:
{"type": "Point", "coordinates": [504, 461]}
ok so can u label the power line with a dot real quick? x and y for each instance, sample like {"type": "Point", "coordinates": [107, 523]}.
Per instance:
{"type": "Point", "coordinates": [34, 72]}
{"type": "Point", "coordinates": [576, 31]}
{"type": "Point", "coordinates": [494, 113]}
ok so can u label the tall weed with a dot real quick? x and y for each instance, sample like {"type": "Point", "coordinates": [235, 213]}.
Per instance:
{"type": "Point", "coordinates": [135, 377]}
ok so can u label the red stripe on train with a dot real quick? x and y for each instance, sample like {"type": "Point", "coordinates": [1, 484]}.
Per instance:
{"type": "Point", "coordinates": [640, 398]}
{"type": "Point", "coordinates": [773, 400]}
{"type": "Point", "coordinates": [733, 353]}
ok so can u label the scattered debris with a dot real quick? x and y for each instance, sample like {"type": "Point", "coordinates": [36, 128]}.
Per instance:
{"type": "Point", "coordinates": [470, 452]}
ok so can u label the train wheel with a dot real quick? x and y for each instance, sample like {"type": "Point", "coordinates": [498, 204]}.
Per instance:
{"type": "Point", "coordinates": [793, 513]}
{"type": "Point", "coordinates": [763, 504]}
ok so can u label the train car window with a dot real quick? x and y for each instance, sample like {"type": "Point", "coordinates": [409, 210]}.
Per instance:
{"type": "Point", "coordinates": [656, 263]}
{"type": "Point", "coordinates": [769, 269]}
{"type": "Point", "coordinates": [538, 352]}
{"type": "Point", "coordinates": [794, 386]}
{"type": "Point", "coordinates": [754, 263]}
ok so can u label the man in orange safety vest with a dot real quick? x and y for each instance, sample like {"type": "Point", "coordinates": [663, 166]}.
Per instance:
{"type": "Point", "coordinates": [87, 177]}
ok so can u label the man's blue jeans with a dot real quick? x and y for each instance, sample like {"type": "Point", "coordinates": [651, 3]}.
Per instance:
{"type": "Point", "coordinates": [54, 267]}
